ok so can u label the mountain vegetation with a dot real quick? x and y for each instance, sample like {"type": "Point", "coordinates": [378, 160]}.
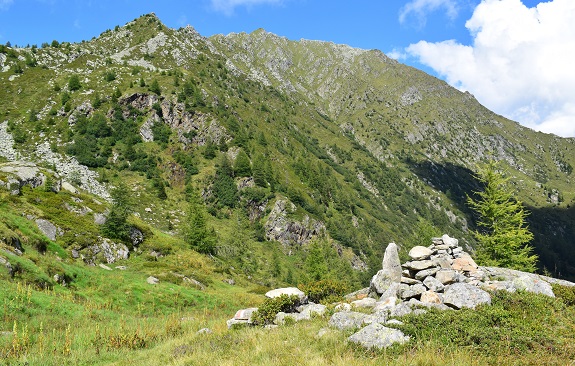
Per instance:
{"type": "Point", "coordinates": [227, 165]}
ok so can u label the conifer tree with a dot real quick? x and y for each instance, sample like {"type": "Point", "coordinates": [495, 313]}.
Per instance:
{"type": "Point", "coordinates": [242, 167]}
{"type": "Point", "coordinates": [116, 226]}
{"type": "Point", "coordinates": [502, 234]}
{"type": "Point", "coordinates": [196, 232]}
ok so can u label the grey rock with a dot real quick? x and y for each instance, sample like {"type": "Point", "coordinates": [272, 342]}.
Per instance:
{"type": "Point", "coordinates": [106, 250]}
{"type": "Point", "coordinates": [367, 302]}
{"type": "Point", "coordinates": [446, 276]}
{"type": "Point", "coordinates": [378, 336]}
{"type": "Point", "coordinates": [281, 317]}
{"type": "Point", "coordinates": [433, 284]}
{"type": "Point", "coordinates": [69, 187]}
{"type": "Point", "coordinates": [99, 219]}
{"type": "Point", "coordinates": [103, 266]}
{"type": "Point", "coordinates": [463, 295]}
{"type": "Point", "coordinates": [419, 265]}
{"type": "Point", "coordinates": [451, 242]}
{"type": "Point", "coordinates": [24, 172]}
{"type": "Point", "coordinates": [245, 314]}
{"type": "Point", "coordinates": [152, 280]}
{"type": "Point", "coordinates": [47, 228]}
{"type": "Point", "coordinates": [409, 281]}
{"type": "Point", "coordinates": [309, 310]}
{"type": "Point", "coordinates": [287, 291]}
{"type": "Point", "coordinates": [532, 284]}
{"type": "Point", "coordinates": [234, 324]}
{"type": "Point", "coordinates": [426, 273]}
{"type": "Point", "coordinates": [390, 272]}
{"type": "Point", "coordinates": [419, 252]}
{"type": "Point", "coordinates": [204, 331]}
{"type": "Point", "coordinates": [413, 291]}
{"type": "Point", "coordinates": [378, 317]}
{"type": "Point", "coordinates": [392, 291]}
{"type": "Point", "coordinates": [347, 320]}
{"type": "Point", "coordinates": [400, 310]}
{"type": "Point", "coordinates": [136, 236]}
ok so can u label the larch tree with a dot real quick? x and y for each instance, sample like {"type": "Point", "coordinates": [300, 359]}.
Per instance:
{"type": "Point", "coordinates": [503, 234]}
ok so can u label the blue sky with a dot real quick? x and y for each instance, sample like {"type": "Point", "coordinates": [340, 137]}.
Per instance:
{"type": "Point", "coordinates": [491, 48]}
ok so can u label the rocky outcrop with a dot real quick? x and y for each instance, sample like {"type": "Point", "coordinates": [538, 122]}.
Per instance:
{"type": "Point", "coordinates": [21, 173]}
{"type": "Point", "coordinates": [280, 227]}
{"type": "Point", "coordinates": [104, 250]}
{"type": "Point", "coordinates": [7, 143]}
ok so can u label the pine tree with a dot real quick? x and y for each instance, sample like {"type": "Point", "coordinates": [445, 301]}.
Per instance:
{"type": "Point", "coordinates": [503, 235]}
{"type": "Point", "coordinates": [196, 232]}
{"type": "Point", "coordinates": [242, 167]}
{"type": "Point", "coordinates": [116, 226]}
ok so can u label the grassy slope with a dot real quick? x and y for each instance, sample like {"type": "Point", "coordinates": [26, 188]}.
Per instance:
{"type": "Point", "coordinates": [115, 316]}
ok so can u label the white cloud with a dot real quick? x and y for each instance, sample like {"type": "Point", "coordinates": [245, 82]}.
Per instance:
{"type": "Point", "coordinates": [397, 54]}
{"type": "Point", "coordinates": [5, 4]}
{"type": "Point", "coordinates": [420, 8]}
{"type": "Point", "coordinates": [520, 63]}
{"type": "Point", "coordinates": [228, 6]}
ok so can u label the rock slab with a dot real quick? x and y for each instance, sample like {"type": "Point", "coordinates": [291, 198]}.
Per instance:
{"type": "Point", "coordinates": [378, 336]}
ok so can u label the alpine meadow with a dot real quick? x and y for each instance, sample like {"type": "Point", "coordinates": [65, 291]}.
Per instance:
{"type": "Point", "coordinates": [153, 181]}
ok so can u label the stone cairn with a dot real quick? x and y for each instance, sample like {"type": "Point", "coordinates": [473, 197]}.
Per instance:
{"type": "Point", "coordinates": [441, 276]}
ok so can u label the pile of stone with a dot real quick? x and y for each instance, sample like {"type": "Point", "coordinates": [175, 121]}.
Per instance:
{"type": "Point", "coordinates": [445, 276]}
{"type": "Point", "coordinates": [441, 276]}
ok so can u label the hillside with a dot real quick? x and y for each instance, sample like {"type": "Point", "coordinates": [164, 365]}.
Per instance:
{"type": "Point", "coordinates": [227, 165]}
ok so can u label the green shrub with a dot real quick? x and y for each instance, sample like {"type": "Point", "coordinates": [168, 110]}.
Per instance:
{"type": "Point", "coordinates": [267, 311]}
{"type": "Point", "coordinates": [325, 291]}
{"type": "Point", "coordinates": [565, 293]}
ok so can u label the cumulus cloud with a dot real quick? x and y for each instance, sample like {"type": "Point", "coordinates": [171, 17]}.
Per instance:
{"type": "Point", "coordinates": [420, 8]}
{"type": "Point", "coordinates": [520, 62]}
{"type": "Point", "coordinates": [228, 6]}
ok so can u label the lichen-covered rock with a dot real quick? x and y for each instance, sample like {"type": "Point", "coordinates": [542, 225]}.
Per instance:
{"type": "Point", "coordinates": [379, 336]}
{"type": "Point", "coordinates": [464, 295]}
{"type": "Point", "coordinates": [47, 228]}
{"type": "Point", "coordinates": [390, 272]}
{"type": "Point", "coordinates": [532, 284]}
{"type": "Point", "coordinates": [347, 320]}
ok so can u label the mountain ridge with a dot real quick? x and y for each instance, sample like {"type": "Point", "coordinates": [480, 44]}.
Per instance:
{"type": "Point", "coordinates": [402, 117]}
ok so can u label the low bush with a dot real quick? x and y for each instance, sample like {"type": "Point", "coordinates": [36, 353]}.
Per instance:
{"type": "Point", "coordinates": [565, 293]}
{"type": "Point", "coordinates": [270, 307]}
{"type": "Point", "coordinates": [325, 291]}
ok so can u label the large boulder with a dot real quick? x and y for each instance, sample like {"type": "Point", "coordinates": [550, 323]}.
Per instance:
{"type": "Point", "coordinates": [464, 295]}
{"type": "Point", "coordinates": [21, 173]}
{"type": "Point", "coordinates": [347, 320]}
{"type": "Point", "coordinates": [390, 272]}
{"type": "Point", "coordinates": [376, 335]}
{"type": "Point", "coordinates": [532, 284]}
{"type": "Point", "coordinates": [47, 228]}
{"type": "Point", "coordinates": [290, 291]}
